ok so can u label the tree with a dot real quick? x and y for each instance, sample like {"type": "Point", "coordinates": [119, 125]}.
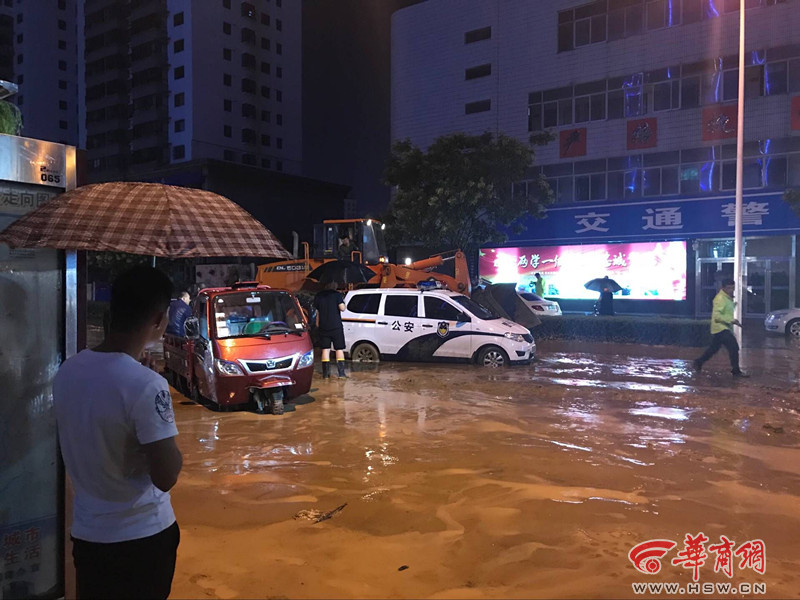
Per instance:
{"type": "Point", "coordinates": [460, 192]}
{"type": "Point", "coordinates": [10, 118]}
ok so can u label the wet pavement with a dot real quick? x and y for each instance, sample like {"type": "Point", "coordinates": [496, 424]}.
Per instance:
{"type": "Point", "coordinates": [462, 482]}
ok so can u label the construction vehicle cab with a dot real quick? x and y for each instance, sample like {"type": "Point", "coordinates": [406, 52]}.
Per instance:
{"type": "Point", "coordinates": [364, 238]}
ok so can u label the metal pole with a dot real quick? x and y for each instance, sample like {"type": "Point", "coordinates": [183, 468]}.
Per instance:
{"type": "Point", "coordinates": [738, 259]}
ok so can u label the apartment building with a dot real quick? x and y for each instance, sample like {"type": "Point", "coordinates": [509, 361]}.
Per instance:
{"type": "Point", "coordinates": [642, 98]}
{"type": "Point", "coordinates": [172, 81]}
{"type": "Point", "coordinates": [39, 52]}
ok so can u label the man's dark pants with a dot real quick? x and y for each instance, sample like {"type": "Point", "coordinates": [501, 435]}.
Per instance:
{"type": "Point", "coordinates": [140, 568]}
{"type": "Point", "coordinates": [723, 338]}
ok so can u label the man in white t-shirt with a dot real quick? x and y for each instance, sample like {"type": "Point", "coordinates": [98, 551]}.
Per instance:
{"type": "Point", "coordinates": [117, 434]}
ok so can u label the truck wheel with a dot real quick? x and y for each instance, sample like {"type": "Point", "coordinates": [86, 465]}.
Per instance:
{"type": "Point", "coordinates": [365, 352]}
{"type": "Point", "coordinates": [793, 328]}
{"type": "Point", "coordinates": [493, 357]}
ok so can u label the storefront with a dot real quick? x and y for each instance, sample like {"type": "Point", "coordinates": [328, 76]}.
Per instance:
{"type": "Point", "coordinates": [670, 254]}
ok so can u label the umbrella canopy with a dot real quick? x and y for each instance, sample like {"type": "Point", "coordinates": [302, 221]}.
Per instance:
{"type": "Point", "coordinates": [144, 218]}
{"type": "Point", "coordinates": [600, 283]}
{"type": "Point", "coordinates": [341, 272]}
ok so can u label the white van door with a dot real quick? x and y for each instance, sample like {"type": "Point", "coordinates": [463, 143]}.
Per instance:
{"type": "Point", "coordinates": [448, 328]}
{"type": "Point", "coordinates": [399, 323]}
{"type": "Point", "coordinates": [360, 319]}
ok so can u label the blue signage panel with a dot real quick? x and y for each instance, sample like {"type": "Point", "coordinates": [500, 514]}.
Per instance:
{"type": "Point", "coordinates": [680, 218]}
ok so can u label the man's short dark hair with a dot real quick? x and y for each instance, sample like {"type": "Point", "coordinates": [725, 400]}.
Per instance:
{"type": "Point", "coordinates": [728, 282]}
{"type": "Point", "coordinates": [136, 296]}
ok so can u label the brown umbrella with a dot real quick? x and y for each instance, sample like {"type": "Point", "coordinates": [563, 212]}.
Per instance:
{"type": "Point", "coordinates": [144, 218]}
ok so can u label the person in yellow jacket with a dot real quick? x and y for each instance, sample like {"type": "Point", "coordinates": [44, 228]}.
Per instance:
{"type": "Point", "coordinates": [722, 322]}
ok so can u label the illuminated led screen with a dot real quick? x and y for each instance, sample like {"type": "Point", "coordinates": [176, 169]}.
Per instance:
{"type": "Point", "coordinates": [645, 270]}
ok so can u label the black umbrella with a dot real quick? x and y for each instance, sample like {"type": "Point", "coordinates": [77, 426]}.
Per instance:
{"type": "Point", "coordinates": [600, 283]}
{"type": "Point", "coordinates": [341, 272]}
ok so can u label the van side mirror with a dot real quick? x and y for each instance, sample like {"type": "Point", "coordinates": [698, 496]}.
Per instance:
{"type": "Point", "coordinates": [464, 318]}
{"type": "Point", "coordinates": [191, 328]}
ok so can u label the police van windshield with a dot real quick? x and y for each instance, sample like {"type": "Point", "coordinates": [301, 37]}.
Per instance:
{"type": "Point", "coordinates": [475, 308]}
{"type": "Point", "coordinates": [255, 313]}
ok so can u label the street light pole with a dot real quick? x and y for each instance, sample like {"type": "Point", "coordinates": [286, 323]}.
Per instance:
{"type": "Point", "coordinates": [738, 242]}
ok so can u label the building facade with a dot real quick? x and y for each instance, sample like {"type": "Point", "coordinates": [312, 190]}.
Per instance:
{"type": "Point", "coordinates": [171, 81]}
{"type": "Point", "coordinates": [39, 49]}
{"type": "Point", "coordinates": [641, 96]}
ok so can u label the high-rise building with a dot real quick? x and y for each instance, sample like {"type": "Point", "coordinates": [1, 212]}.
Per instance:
{"type": "Point", "coordinates": [642, 98]}
{"type": "Point", "coordinates": [39, 52]}
{"type": "Point", "coordinates": [171, 81]}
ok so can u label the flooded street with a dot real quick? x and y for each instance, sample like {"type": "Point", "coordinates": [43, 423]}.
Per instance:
{"type": "Point", "coordinates": [462, 482]}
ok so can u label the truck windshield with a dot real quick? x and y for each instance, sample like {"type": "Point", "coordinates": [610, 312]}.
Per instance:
{"type": "Point", "coordinates": [374, 246]}
{"type": "Point", "coordinates": [475, 308]}
{"type": "Point", "coordinates": [252, 313]}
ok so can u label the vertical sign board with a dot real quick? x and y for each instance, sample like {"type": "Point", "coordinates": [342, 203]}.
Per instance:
{"type": "Point", "coordinates": [32, 330]}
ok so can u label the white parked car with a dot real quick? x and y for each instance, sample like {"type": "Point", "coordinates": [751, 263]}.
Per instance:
{"type": "Point", "coordinates": [784, 321]}
{"type": "Point", "coordinates": [407, 324]}
{"type": "Point", "coordinates": [540, 306]}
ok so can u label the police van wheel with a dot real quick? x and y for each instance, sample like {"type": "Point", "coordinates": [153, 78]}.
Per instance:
{"type": "Point", "coordinates": [365, 352]}
{"type": "Point", "coordinates": [793, 328]}
{"type": "Point", "coordinates": [493, 357]}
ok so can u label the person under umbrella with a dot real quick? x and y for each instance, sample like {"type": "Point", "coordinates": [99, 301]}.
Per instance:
{"type": "Point", "coordinates": [330, 304]}
{"type": "Point", "coordinates": [607, 288]}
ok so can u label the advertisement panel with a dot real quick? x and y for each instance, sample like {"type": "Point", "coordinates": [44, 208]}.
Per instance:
{"type": "Point", "coordinates": [645, 270]}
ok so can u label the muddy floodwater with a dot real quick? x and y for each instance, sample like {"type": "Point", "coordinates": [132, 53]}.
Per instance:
{"type": "Point", "coordinates": [463, 482]}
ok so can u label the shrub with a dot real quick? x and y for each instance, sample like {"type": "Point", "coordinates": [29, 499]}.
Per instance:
{"type": "Point", "coordinates": [628, 330]}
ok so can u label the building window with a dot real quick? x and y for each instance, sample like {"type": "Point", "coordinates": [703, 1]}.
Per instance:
{"type": "Point", "coordinates": [248, 10]}
{"type": "Point", "coordinates": [226, 28]}
{"type": "Point", "coordinates": [265, 140]}
{"type": "Point", "coordinates": [62, 85]}
{"type": "Point", "coordinates": [279, 119]}
{"type": "Point", "coordinates": [278, 95]}
{"type": "Point", "coordinates": [62, 124]}
{"type": "Point", "coordinates": [62, 104]}
{"type": "Point", "coordinates": [226, 54]}
{"type": "Point", "coordinates": [62, 25]}
{"type": "Point", "coordinates": [479, 71]}
{"type": "Point", "coordinates": [177, 19]}
{"type": "Point", "coordinates": [249, 159]}
{"type": "Point", "coordinates": [19, 38]}
{"type": "Point", "coordinates": [278, 24]}
{"type": "Point", "coordinates": [179, 72]}
{"type": "Point", "coordinates": [265, 43]}
{"type": "Point", "coordinates": [265, 91]}
{"type": "Point", "coordinates": [248, 86]}
{"type": "Point", "coordinates": [177, 46]}
{"type": "Point", "coordinates": [249, 136]}
{"type": "Point", "coordinates": [226, 105]}
{"type": "Point", "coordinates": [278, 3]}
{"type": "Point", "coordinates": [180, 125]}
{"type": "Point", "coordinates": [476, 107]}
{"type": "Point", "coordinates": [265, 19]}
{"type": "Point", "coordinates": [279, 72]}
{"type": "Point", "coordinates": [180, 99]}
{"type": "Point", "coordinates": [62, 45]}
{"type": "Point", "coordinates": [279, 165]}
{"type": "Point", "coordinates": [249, 110]}
{"type": "Point", "coordinates": [20, 78]}
{"type": "Point", "coordinates": [265, 116]}
{"type": "Point", "coordinates": [265, 68]}
{"type": "Point", "coordinates": [248, 35]}
{"type": "Point", "coordinates": [62, 4]}
{"type": "Point", "coordinates": [266, 163]}
{"type": "Point", "coordinates": [226, 79]}
{"type": "Point", "coordinates": [62, 65]}
{"type": "Point", "coordinates": [248, 61]}
{"type": "Point", "coordinates": [279, 143]}
{"type": "Point", "coordinates": [477, 35]}
{"type": "Point", "coordinates": [226, 3]}
{"type": "Point", "coordinates": [179, 152]}
{"type": "Point", "coordinates": [226, 131]}
{"type": "Point", "coordinates": [19, 59]}
{"type": "Point", "coordinates": [278, 48]}
{"type": "Point", "coordinates": [229, 155]}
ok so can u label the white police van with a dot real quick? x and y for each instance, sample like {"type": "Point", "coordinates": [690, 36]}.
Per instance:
{"type": "Point", "coordinates": [415, 325]}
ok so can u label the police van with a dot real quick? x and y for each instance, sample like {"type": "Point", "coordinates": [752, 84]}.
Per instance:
{"type": "Point", "coordinates": [418, 325]}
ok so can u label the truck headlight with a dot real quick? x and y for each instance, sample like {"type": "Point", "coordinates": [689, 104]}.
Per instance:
{"type": "Point", "coordinates": [306, 360]}
{"type": "Point", "coordinates": [225, 367]}
{"type": "Point", "coordinates": [514, 337]}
